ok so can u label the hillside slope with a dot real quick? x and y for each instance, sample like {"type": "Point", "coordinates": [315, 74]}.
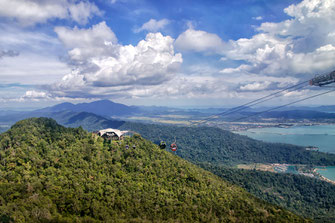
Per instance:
{"type": "Point", "coordinates": [88, 121]}
{"type": "Point", "coordinates": [217, 146]}
{"type": "Point", "coordinates": [52, 173]}
{"type": "Point", "coordinates": [306, 196]}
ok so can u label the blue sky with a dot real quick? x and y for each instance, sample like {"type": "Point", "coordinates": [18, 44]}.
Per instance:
{"type": "Point", "coordinates": [174, 53]}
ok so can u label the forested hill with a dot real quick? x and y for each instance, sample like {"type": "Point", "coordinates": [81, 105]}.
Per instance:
{"type": "Point", "coordinates": [305, 196]}
{"type": "Point", "coordinates": [49, 173]}
{"type": "Point", "coordinates": [217, 146]}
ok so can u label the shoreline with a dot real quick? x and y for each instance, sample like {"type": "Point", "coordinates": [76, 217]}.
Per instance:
{"type": "Point", "coordinates": [322, 177]}
{"type": "Point", "coordinates": [282, 168]}
{"type": "Point", "coordinates": [261, 125]}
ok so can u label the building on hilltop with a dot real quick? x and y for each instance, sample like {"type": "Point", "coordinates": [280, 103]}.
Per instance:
{"type": "Point", "coordinates": [113, 134]}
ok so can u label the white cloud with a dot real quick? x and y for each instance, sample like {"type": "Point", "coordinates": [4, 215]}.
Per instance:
{"type": "Point", "coordinates": [85, 44]}
{"type": "Point", "coordinates": [29, 68]}
{"type": "Point", "coordinates": [102, 66]}
{"type": "Point", "coordinates": [199, 41]}
{"type": "Point", "coordinates": [35, 95]}
{"type": "Point", "coordinates": [258, 18]}
{"type": "Point", "coordinates": [255, 86]}
{"type": "Point", "coordinates": [30, 12]}
{"type": "Point", "coordinates": [36, 58]}
{"type": "Point", "coordinates": [153, 25]}
{"type": "Point", "coordinates": [105, 69]}
{"type": "Point", "coordinates": [98, 35]}
{"type": "Point", "coordinates": [202, 87]}
{"type": "Point", "coordinates": [82, 11]}
{"type": "Point", "coordinates": [303, 44]}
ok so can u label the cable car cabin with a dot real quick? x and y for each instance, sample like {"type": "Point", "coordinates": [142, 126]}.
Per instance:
{"type": "Point", "coordinates": [112, 134]}
{"type": "Point", "coordinates": [173, 147]}
{"type": "Point", "coordinates": [162, 145]}
{"type": "Point", "coordinates": [323, 79]}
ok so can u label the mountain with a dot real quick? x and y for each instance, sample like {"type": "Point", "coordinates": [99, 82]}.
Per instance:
{"type": "Point", "coordinates": [217, 146]}
{"type": "Point", "coordinates": [49, 173]}
{"type": "Point", "coordinates": [103, 107]}
{"type": "Point", "coordinates": [327, 108]}
{"type": "Point", "coordinates": [88, 121]}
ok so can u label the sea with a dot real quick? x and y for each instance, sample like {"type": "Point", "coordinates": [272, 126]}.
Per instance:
{"type": "Point", "coordinates": [321, 136]}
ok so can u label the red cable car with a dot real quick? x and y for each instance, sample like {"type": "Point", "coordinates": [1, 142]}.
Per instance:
{"type": "Point", "coordinates": [173, 147]}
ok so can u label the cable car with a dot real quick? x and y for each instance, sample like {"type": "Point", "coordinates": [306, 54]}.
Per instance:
{"type": "Point", "coordinates": [322, 80]}
{"type": "Point", "coordinates": [162, 145]}
{"type": "Point", "coordinates": [134, 146]}
{"type": "Point", "coordinates": [173, 147]}
{"type": "Point", "coordinates": [127, 147]}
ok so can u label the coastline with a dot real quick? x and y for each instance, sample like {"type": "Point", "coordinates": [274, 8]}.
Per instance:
{"type": "Point", "coordinates": [283, 168]}
{"type": "Point", "coordinates": [322, 177]}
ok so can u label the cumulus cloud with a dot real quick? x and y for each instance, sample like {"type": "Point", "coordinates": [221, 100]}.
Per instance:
{"type": "Point", "coordinates": [84, 44]}
{"type": "Point", "coordinates": [300, 45]}
{"type": "Point", "coordinates": [103, 66]}
{"type": "Point", "coordinates": [199, 41]}
{"type": "Point", "coordinates": [30, 12]}
{"type": "Point", "coordinates": [35, 95]}
{"type": "Point", "coordinates": [153, 25]}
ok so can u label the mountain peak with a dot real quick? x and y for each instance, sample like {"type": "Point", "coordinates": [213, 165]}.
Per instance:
{"type": "Point", "coordinates": [101, 107]}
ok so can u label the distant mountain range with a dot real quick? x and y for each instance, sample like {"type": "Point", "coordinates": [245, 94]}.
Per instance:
{"type": "Point", "coordinates": [100, 114]}
{"type": "Point", "coordinates": [88, 121]}
{"type": "Point", "coordinates": [103, 107]}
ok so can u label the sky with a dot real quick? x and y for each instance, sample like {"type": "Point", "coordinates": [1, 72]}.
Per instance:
{"type": "Point", "coordinates": [165, 53]}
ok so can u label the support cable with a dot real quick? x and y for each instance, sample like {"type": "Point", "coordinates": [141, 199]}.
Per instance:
{"type": "Point", "coordinates": [294, 102]}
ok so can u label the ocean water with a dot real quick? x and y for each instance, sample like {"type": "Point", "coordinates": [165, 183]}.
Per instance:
{"type": "Point", "coordinates": [327, 172]}
{"type": "Point", "coordinates": [289, 169]}
{"type": "Point", "coordinates": [322, 136]}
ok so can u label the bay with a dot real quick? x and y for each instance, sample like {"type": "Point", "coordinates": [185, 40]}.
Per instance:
{"type": "Point", "coordinates": [328, 172]}
{"type": "Point", "coordinates": [321, 136]}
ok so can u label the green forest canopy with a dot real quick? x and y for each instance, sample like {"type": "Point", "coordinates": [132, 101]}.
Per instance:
{"type": "Point", "coordinates": [52, 173]}
{"type": "Point", "coordinates": [217, 146]}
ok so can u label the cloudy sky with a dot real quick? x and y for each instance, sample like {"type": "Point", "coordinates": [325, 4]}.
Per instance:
{"type": "Point", "coordinates": [167, 52]}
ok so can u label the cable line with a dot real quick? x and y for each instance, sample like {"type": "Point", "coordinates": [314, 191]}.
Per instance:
{"type": "Point", "coordinates": [318, 80]}
{"type": "Point", "coordinates": [254, 102]}
{"type": "Point", "coordinates": [313, 96]}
